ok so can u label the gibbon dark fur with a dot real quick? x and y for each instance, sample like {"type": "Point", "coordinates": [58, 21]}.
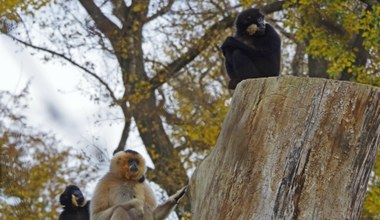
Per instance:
{"type": "Point", "coordinates": [254, 51]}
{"type": "Point", "coordinates": [74, 205]}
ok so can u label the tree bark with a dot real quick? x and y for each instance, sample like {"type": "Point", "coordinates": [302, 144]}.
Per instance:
{"type": "Point", "coordinates": [291, 148]}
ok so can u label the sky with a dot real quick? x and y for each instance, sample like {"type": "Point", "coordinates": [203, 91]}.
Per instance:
{"type": "Point", "coordinates": [55, 103]}
{"type": "Point", "coordinates": [56, 106]}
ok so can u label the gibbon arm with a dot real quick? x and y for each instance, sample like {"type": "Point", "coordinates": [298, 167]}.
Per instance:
{"type": "Point", "coordinates": [164, 209]}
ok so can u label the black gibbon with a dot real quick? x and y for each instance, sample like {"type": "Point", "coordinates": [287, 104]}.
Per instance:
{"type": "Point", "coordinates": [254, 51]}
{"type": "Point", "coordinates": [123, 193]}
{"type": "Point", "coordinates": [74, 205]}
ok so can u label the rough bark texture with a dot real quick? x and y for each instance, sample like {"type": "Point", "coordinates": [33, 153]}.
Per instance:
{"type": "Point", "coordinates": [291, 148]}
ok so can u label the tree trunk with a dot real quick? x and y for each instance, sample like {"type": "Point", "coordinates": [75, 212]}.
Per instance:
{"type": "Point", "coordinates": [317, 67]}
{"type": "Point", "coordinates": [291, 148]}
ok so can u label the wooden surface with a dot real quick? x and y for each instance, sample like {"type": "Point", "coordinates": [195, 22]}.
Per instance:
{"type": "Point", "coordinates": [290, 148]}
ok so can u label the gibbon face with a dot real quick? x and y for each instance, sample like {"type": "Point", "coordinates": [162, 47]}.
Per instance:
{"type": "Point", "coordinates": [72, 197]}
{"type": "Point", "coordinates": [129, 165]}
{"type": "Point", "coordinates": [250, 19]}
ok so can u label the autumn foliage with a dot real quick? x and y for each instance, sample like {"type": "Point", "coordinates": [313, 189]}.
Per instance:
{"type": "Point", "coordinates": [158, 65]}
{"type": "Point", "coordinates": [34, 166]}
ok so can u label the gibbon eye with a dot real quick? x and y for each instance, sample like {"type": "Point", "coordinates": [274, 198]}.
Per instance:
{"type": "Point", "coordinates": [260, 20]}
{"type": "Point", "coordinates": [133, 161]}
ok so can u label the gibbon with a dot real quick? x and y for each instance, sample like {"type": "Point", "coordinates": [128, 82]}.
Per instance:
{"type": "Point", "coordinates": [75, 206]}
{"type": "Point", "coordinates": [254, 51]}
{"type": "Point", "coordinates": [161, 212]}
{"type": "Point", "coordinates": [123, 193]}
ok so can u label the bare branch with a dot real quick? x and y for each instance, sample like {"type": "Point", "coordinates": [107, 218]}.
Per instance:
{"type": "Point", "coordinates": [126, 129]}
{"type": "Point", "coordinates": [371, 3]}
{"type": "Point", "coordinates": [282, 30]}
{"type": "Point", "coordinates": [161, 12]}
{"type": "Point", "coordinates": [172, 68]}
{"type": "Point", "coordinates": [100, 80]}
{"type": "Point", "coordinates": [171, 118]}
{"type": "Point", "coordinates": [272, 7]}
{"type": "Point", "coordinates": [102, 22]}
{"type": "Point", "coordinates": [120, 10]}
{"type": "Point", "coordinates": [217, 5]}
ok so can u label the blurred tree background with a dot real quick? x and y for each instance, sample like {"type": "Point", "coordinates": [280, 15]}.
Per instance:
{"type": "Point", "coordinates": [34, 171]}
{"type": "Point", "coordinates": [161, 66]}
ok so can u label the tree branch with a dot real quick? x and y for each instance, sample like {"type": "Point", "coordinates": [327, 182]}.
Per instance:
{"type": "Point", "coordinates": [371, 3]}
{"type": "Point", "coordinates": [282, 30]}
{"type": "Point", "coordinates": [120, 10]}
{"type": "Point", "coordinates": [272, 7]}
{"type": "Point", "coordinates": [102, 22]}
{"type": "Point", "coordinates": [100, 80]}
{"type": "Point", "coordinates": [161, 11]}
{"type": "Point", "coordinates": [126, 129]}
{"type": "Point", "coordinates": [361, 55]}
{"type": "Point", "coordinates": [297, 64]}
{"type": "Point", "coordinates": [169, 71]}
{"type": "Point", "coordinates": [171, 118]}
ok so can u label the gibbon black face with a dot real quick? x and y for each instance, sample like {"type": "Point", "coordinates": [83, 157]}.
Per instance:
{"type": "Point", "coordinates": [250, 22]}
{"type": "Point", "coordinates": [72, 197]}
{"type": "Point", "coordinates": [129, 165]}
{"type": "Point", "coordinates": [133, 161]}
{"type": "Point", "coordinates": [74, 205]}
{"type": "Point", "coordinates": [133, 165]}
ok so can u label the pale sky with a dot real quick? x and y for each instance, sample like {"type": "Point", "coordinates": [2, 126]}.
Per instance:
{"type": "Point", "coordinates": [55, 104]}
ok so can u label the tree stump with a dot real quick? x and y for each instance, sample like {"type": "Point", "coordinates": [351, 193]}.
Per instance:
{"type": "Point", "coordinates": [290, 148]}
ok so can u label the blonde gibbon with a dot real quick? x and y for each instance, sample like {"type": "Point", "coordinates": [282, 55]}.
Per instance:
{"type": "Point", "coordinates": [123, 193]}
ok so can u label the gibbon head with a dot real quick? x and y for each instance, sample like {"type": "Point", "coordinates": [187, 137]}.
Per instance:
{"type": "Point", "coordinates": [250, 22]}
{"type": "Point", "coordinates": [72, 197]}
{"type": "Point", "coordinates": [129, 165]}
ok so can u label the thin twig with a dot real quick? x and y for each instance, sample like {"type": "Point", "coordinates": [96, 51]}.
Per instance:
{"type": "Point", "coordinates": [100, 80]}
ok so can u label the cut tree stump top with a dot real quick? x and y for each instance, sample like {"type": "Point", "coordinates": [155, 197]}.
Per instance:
{"type": "Point", "coordinates": [290, 148]}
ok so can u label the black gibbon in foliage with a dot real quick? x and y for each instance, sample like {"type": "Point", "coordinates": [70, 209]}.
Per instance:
{"type": "Point", "coordinates": [74, 205]}
{"type": "Point", "coordinates": [254, 51]}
